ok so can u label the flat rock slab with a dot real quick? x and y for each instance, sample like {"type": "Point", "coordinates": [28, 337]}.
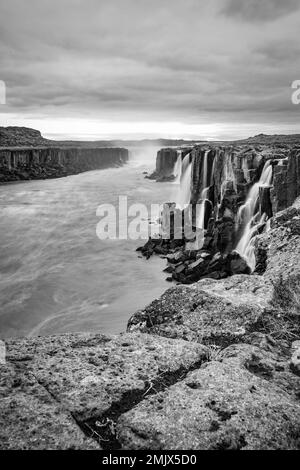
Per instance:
{"type": "Point", "coordinates": [87, 374]}
{"type": "Point", "coordinates": [30, 419]}
{"type": "Point", "coordinates": [225, 404]}
{"type": "Point", "coordinates": [209, 311]}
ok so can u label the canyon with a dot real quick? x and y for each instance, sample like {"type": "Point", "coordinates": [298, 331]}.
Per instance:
{"type": "Point", "coordinates": [231, 191]}
{"type": "Point", "coordinates": [25, 155]}
{"type": "Point", "coordinates": [42, 163]}
{"type": "Point", "coordinates": [214, 363]}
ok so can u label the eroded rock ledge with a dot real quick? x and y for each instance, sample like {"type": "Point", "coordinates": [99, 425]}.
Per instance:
{"type": "Point", "coordinates": [42, 162]}
{"type": "Point", "coordinates": [214, 365]}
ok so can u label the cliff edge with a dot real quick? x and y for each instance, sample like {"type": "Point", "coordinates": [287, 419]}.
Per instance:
{"type": "Point", "coordinates": [214, 365]}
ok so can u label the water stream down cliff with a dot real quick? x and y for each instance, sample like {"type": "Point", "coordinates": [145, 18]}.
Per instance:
{"type": "Point", "coordinates": [233, 191]}
{"type": "Point", "coordinates": [250, 216]}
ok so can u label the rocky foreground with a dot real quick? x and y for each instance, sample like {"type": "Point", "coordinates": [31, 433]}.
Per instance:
{"type": "Point", "coordinates": [212, 365]}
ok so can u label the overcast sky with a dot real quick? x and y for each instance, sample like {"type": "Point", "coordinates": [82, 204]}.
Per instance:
{"type": "Point", "coordinates": [146, 68]}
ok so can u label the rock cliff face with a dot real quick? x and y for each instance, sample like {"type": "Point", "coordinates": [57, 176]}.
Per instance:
{"type": "Point", "coordinates": [236, 189]}
{"type": "Point", "coordinates": [14, 136]}
{"type": "Point", "coordinates": [31, 163]}
{"type": "Point", "coordinates": [166, 163]}
{"type": "Point", "coordinates": [231, 173]}
{"type": "Point", "coordinates": [211, 366]}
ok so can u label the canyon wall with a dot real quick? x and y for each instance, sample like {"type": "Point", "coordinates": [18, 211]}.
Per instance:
{"type": "Point", "coordinates": [234, 191]}
{"type": "Point", "coordinates": [228, 173]}
{"type": "Point", "coordinates": [231, 173]}
{"type": "Point", "coordinates": [166, 163]}
{"type": "Point", "coordinates": [39, 163]}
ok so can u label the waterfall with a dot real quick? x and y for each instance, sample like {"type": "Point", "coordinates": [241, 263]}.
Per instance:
{"type": "Point", "coordinates": [212, 175]}
{"type": "Point", "coordinates": [205, 184]}
{"type": "Point", "coordinates": [228, 176]}
{"type": "Point", "coordinates": [178, 167]}
{"type": "Point", "coordinates": [204, 170]}
{"type": "Point", "coordinates": [201, 212]}
{"type": "Point", "coordinates": [184, 193]}
{"type": "Point", "coordinates": [248, 215]}
{"type": "Point", "coordinates": [246, 170]}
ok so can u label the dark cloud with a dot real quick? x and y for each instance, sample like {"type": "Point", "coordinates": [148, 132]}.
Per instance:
{"type": "Point", "coordinates": [260, 10]}
{"type": "Point", "coordinates": [143, 61]}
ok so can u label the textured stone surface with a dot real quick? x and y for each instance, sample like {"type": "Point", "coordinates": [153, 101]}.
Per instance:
{"type": "Point", "coordinates": [207, 311]}
{"type": "Point", "coordinates": [86, 374]}
{"type": "Point", "coordinates": [280, 246]}
{"type": "Point", "coordinates": [31, 419]}
{"type": "Point", "coordinates": [221, 406]}
{"type": "Point", "coordinates": [295, 359]}
{"type": "Point", "coordinates": [246, 396]}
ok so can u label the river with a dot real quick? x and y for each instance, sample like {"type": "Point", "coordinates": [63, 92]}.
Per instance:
{"type": "Point", "coordinates": [56, 275]}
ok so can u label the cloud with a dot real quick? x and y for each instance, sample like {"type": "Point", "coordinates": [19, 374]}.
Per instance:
{"type": "Point", "coordinates": [260, 10]}
{"type": "Point", "coordinates": [140, 61]}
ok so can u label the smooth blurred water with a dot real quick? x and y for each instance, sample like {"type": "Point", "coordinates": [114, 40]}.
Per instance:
{"type": "Point", "coordinates": [56, 276]}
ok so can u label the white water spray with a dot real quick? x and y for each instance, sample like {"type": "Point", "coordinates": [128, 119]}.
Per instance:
{"type": "Point", "coordinates": [178, 167]}
{"type": "Point", "coordinates": [205, 184]}
{"type": "Point", "coordinates": [228, 175]}
{"type": "Point", "coordinates": [249, 216]}
{"type": "Point", "coordinates": [201, 214]}
{"type": "Point", "coordinates": [184, 193]}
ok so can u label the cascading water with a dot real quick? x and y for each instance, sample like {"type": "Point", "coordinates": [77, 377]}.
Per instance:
{"type": "Point", "coordinates": [178, 167]}
{"type": "Point", "coordinates": [212, 175]}
{"type": "Point", "coordinates": [249, 216]}
{"type": "Point", "coordinates": [205, 184]}
{"type": "Point", "coordinates": [200, 209]}
{"type": "Point", "coordinates": [228, 175]}
{"type": "Point", "coordinates": [184, 193]}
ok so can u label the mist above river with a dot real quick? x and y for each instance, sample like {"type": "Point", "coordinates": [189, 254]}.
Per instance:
{"type": "Point", "coordinates": [56, 276]}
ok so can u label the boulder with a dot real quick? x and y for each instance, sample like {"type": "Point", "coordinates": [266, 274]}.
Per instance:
{"type": "Point", "coordinates": [31, 419]}
{"type": "Point", "coordinates": [224, 405]}
{"type": "Point", "coordinates": [237, 264]}
{"type": "Point", "coordinates": [209, 311]}
{"type": "Point", "coordinates": [62, 385]}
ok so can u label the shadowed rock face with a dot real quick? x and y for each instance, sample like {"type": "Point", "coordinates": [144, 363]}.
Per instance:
{"type": "Point", "coordinates": [165, 163]}
{"type": "Point", "coordinates": [39, 163]}
{"type": "Point", "coordinates": [235, 188]}
{"type": "Point", "coordinates": [231, 171]}
{"type": "Point", "coordinates": [278, 249]}
{"type": "Point", "coordinates": [286, 181]}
